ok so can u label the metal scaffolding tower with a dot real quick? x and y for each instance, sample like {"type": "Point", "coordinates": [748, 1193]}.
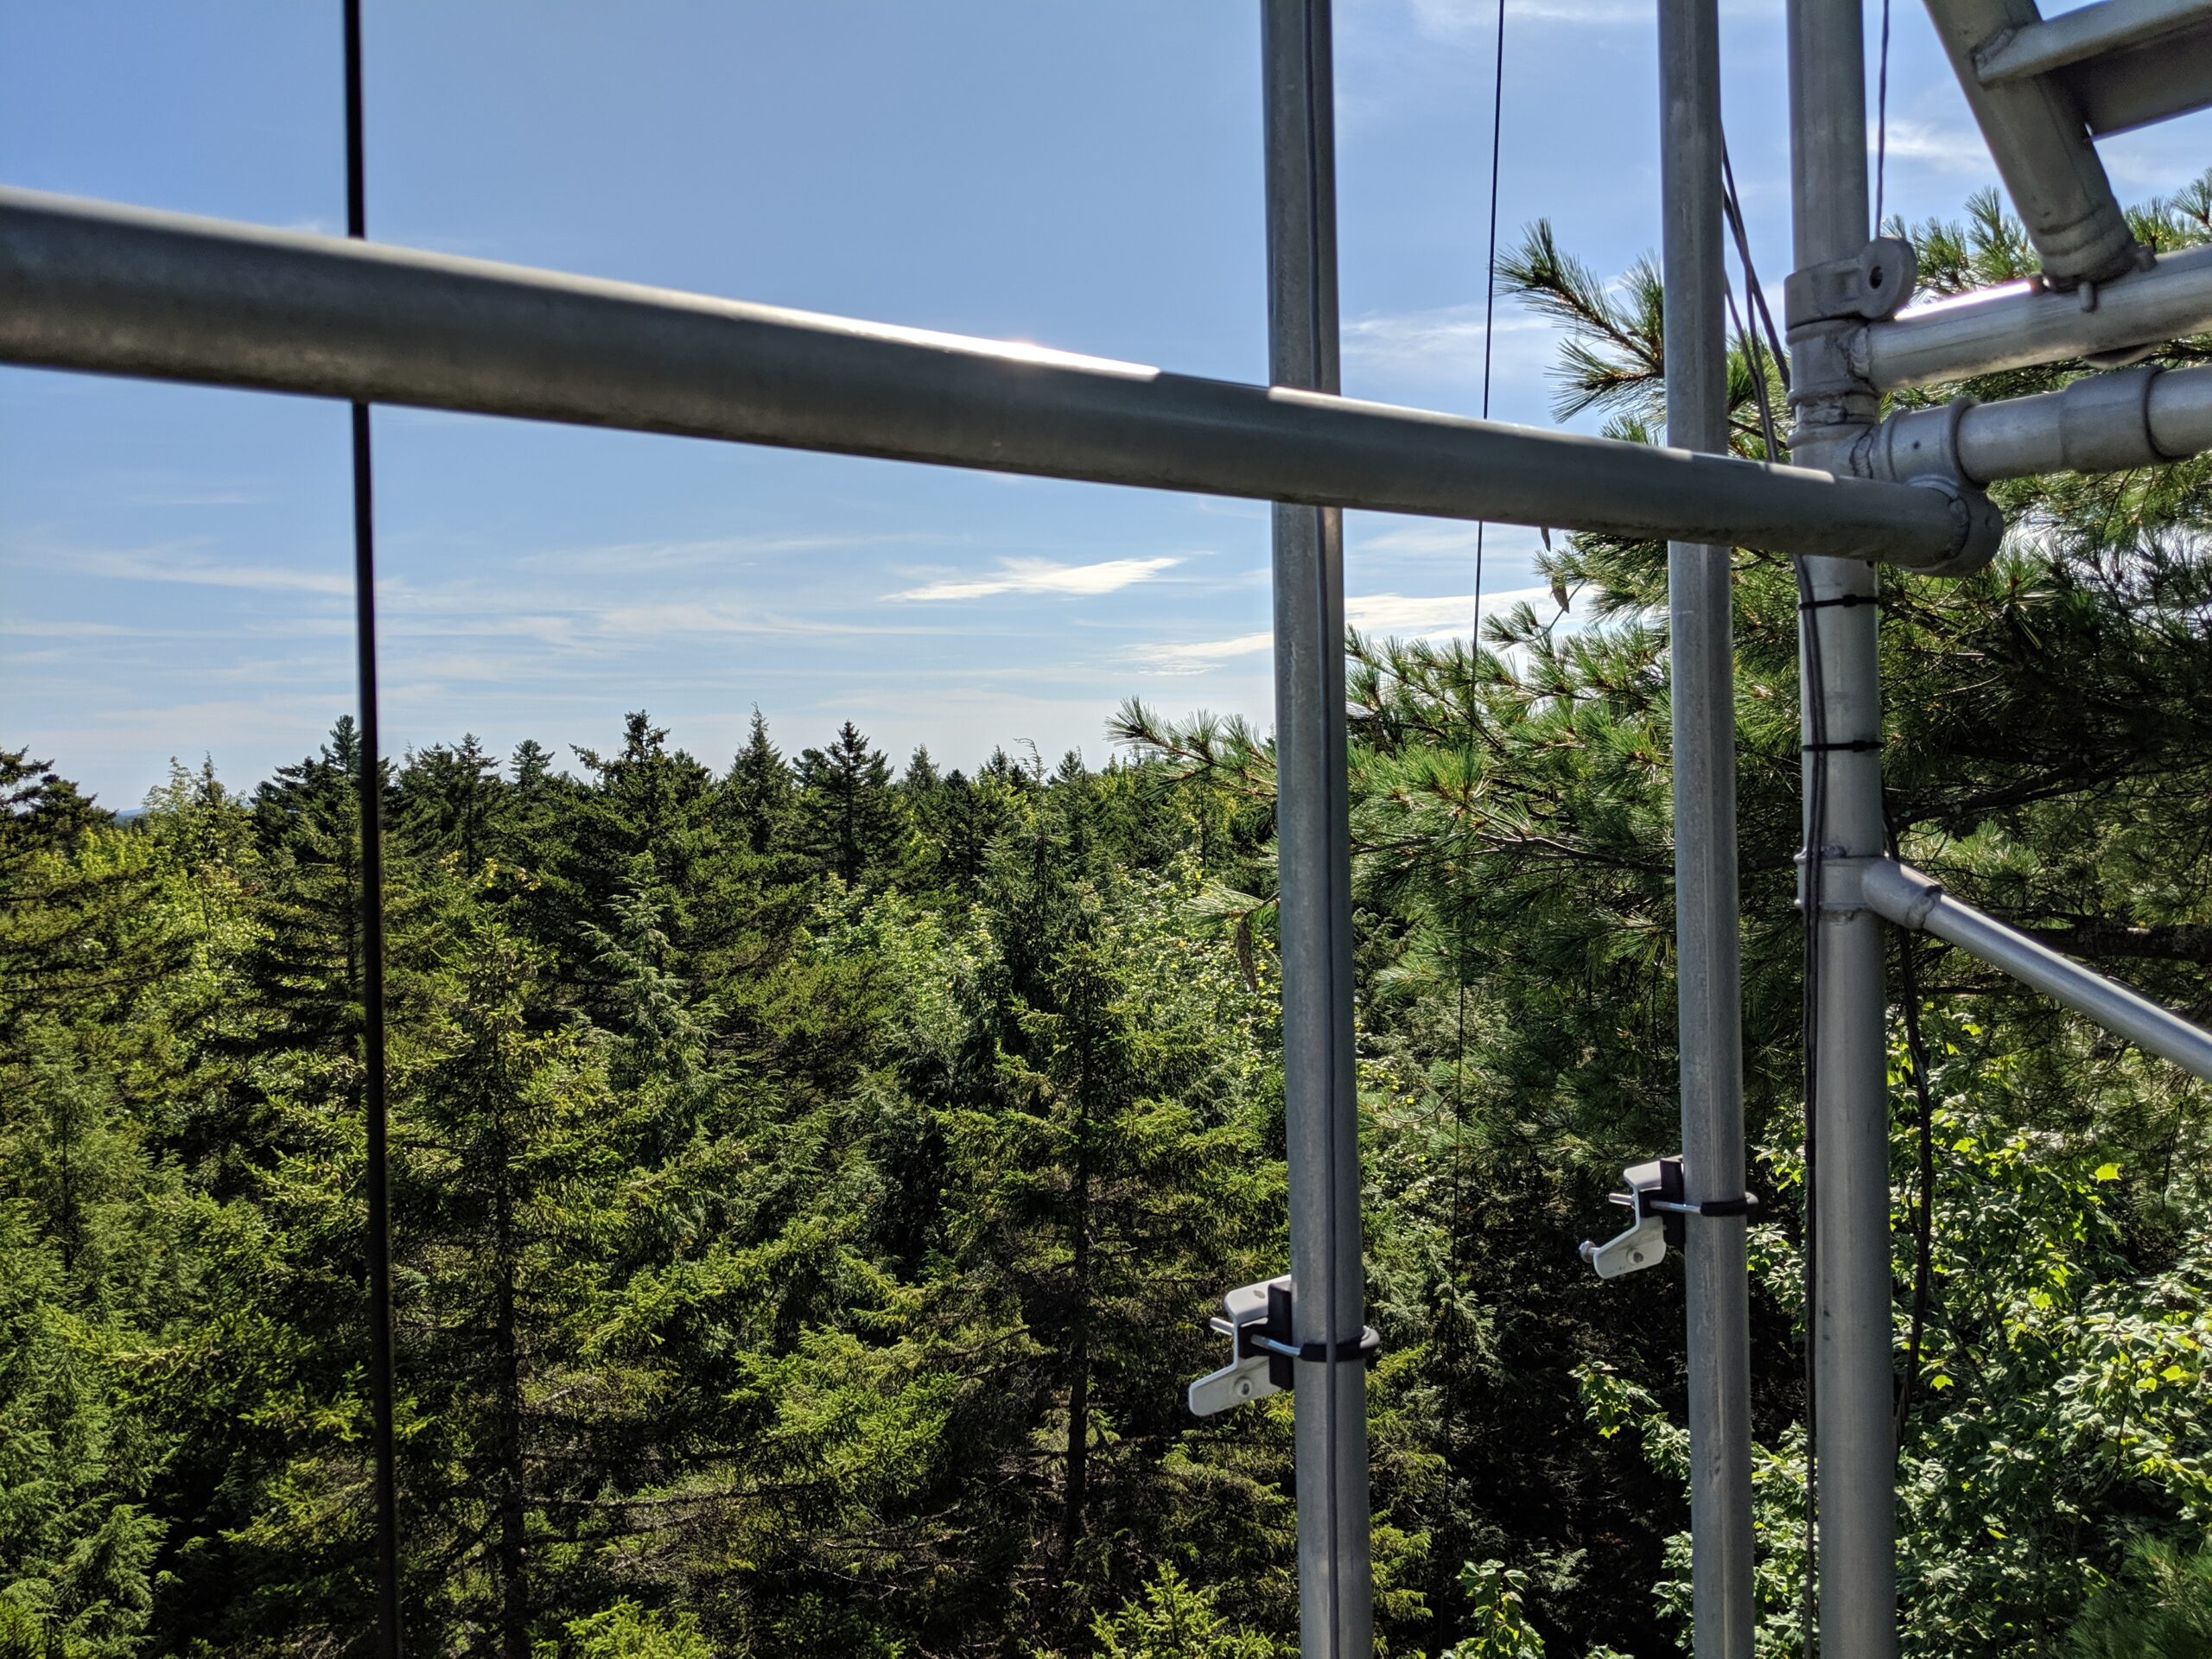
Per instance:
{"type": "Point", "coordinates": [126, 290]}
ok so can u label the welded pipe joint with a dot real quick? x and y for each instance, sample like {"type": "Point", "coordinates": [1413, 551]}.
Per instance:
{"type": "Point", "coordinates": [1842, 881]}
{"type": "Point", "coordinates": [1900, 893]}
{"type": "Point", "coordinates": [1921, 447]}
{"type": "Point", "coordinates": [1824, 388]}
{"type": "Point", "coordinates": [1913, 443]}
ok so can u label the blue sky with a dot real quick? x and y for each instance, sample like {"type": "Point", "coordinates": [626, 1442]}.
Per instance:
{"type": "Point", "coordinates": [175, 563]}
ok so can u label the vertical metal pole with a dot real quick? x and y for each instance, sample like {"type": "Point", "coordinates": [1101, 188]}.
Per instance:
{"type": "Point", "coordinates": [1313, 836]}
{"type": "Point", "coordinates": [1701, 651]}
{"type": "Point", "coordinates": [1852, 1368]}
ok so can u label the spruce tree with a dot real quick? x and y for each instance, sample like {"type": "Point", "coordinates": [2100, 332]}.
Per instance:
{"type": "Point", "coordinates": [450, 800]}
{"type": "Point", "coordinates": [759, 788]}
{"type": "Point", "coordinates": [850, 818]}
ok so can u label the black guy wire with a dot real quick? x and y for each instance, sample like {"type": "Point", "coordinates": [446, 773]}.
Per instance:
{"type": "Point", "coordinates": [373, 1096]}
{"type": "Point", "coordinates": [1815, 836]}
{"type": "Point", "coordinates": [1490, 276]}
{"type": "Point", "coordinates": [1882, 120]}
{"type": "Point", "coordinates": [1754, 296]}
{"type": "Point", "coordinates": [1467, 769]}
{"type": "Point", "coordinates": [1757, 363]}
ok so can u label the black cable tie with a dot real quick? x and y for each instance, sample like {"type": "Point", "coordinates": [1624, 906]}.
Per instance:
{"type": "Point", "coordinates": [1363, 1347]}
{"type": "Point", "coordinates": [1843, 603]}
{"type": "Point", "coordinates": [1852, 745]}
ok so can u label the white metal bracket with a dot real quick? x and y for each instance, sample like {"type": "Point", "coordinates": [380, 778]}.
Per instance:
{"type": "Point", "coordinates": [1644, 1243]}
{"type": "Point", "coordinates": [1656, 1195]}
{"type": "Point", "coordinates": [1264, 1352]}
{"type": "Point", "coordinates": [1246, 1376]}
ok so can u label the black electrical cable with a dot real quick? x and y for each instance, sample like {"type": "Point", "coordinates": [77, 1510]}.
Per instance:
{"type": "Point", "coordinates": [1923, 1212]}
{"type": "Point", "coordinates": [1754, 296]}
{"type": "Point", "coordinates": [1816, 805]}
{"type": "Point", "coordinates": [371, 781]}
{"type": "Point", "coordinates": [1816, 696]}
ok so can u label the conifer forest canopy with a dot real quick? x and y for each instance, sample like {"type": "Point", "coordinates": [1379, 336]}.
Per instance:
{"type": "Point", "coordinates": [811, 1173]}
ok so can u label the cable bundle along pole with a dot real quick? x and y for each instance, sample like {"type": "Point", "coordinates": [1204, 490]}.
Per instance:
{"type": "Point", "coordinates": [371, 781]}
{"type": "Point", "coordinates": [1848, 1311]}
{"type": "Point", "coordinates": [1702, 656]}
{"type": "Point", "coordinates": [1313, 838]}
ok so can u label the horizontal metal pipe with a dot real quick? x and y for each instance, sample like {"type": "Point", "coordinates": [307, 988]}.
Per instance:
{"type": "Point", "coordinates": [2167, 416]}
{"type": "Point", "coordinates": [2018, 326]}
{"type": "Point", "coordinates": [2091, 31]}
{"type": "Point", "coordinates": [127, 290]}
{"type": "Point", "coordinates": [1912, 900]}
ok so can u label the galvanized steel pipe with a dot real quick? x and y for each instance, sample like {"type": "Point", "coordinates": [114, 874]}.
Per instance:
{"type": "Point", "coordinates": [2086, 33]}
{"type": "Point", "coordinates": [126, 290]}
{"type": "Point", "coordinates": [1708, 992]}
{"type": "Point", "coordinates": [1913, 900]}
{"type": "Point", "coordinates": [2019, 326]}
{"type": "Point", "coordinates": [1336, 1618]}
{"type": "Point", "coordinates": [1849, 1319]}
{"type": "Point", "coordinates": [2099, 423]}
{"type": "Point", "coordinates": [2103, 423]}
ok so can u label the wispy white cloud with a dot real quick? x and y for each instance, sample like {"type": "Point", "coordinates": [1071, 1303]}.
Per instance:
{"type": "Point", "coordinates": [1193, 655]}
{"type": "Point", "coordinates": [68, 629]}
{"type": "Point", "coordinates": [1444, 343]}
{"type": "Point", "coordinates": [1043, 576]}
{"type": "Point", "coordinates": [200, 499]}
{"type": "Point", "coordinates": [622, 558]}
{"type": "Point", "coordinates": [1446, 540]}
{"type": "Point", "coordinates": [680, 614]}
{"type": "Point", "coordinates": [1951, 149]}
{"type": "Point", "coordinates": [167, 564]}
{"type": "Point", "coordinates": [1406, 616]}
{"type": "Point", "coordinates": [1419, 618]}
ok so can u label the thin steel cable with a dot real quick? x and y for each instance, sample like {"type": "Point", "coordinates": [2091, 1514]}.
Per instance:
{"type": "Point", "coordinates": [1467, 758]}
{"type": "Point", "coordinates": [371, 783]}
{"type": "Point", "coordinates": [1882, 119]}
{"type": "Point", "coordinates": [1490, 283]}
{"type": "Point", "coordinates": [1757, 363]}
{"type": "Point", "coordinates": [1815, 836]}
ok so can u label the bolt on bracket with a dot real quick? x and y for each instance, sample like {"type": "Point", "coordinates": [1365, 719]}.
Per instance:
{"type": "Point", "coordinates": [1873, 284]}
{"type": "Point", "coordinates": [1656, 1195]}
{"type": "Point", "coordinates": [1264, 1352]}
